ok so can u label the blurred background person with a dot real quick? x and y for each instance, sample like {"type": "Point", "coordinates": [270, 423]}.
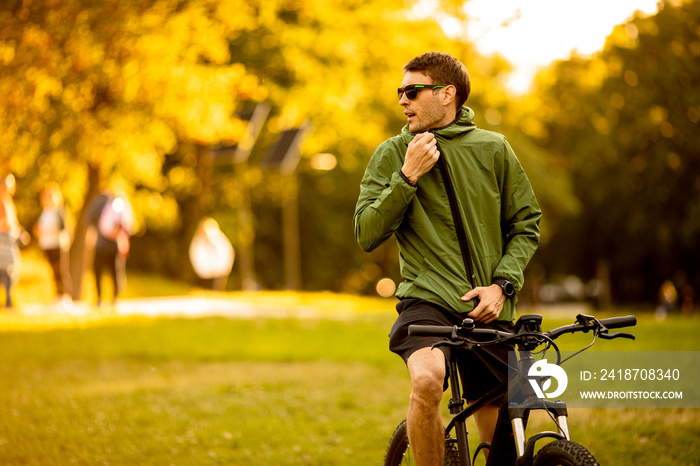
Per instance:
{"type": "Point", "coordinates": [11, 236]}
{"type": "Point", "coordinates": [112, 217]}
{"type": "Point", "coordinates": [54, 233]}
{"type": "Point", "coordinates": [211, 254]}
{"type": "Point", "coordinates": [668, 295]}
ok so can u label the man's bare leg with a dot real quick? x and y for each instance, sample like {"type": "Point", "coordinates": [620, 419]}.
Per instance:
{"type": "Point", "coordinates": [486, 419]}
{"type": "Point", "coordinates": [425, 428]}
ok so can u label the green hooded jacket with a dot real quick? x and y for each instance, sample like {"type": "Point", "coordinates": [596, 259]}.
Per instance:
{"type": "Point", "coordinates": [498, 208]}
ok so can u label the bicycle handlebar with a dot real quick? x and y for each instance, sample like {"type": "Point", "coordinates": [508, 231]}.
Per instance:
{"type": "Point", "coordinates": [620, 322]}
{"type": "Point", "coordinates": [431, 330]}
{"type": "Point", "coordinates": [453, 332]}
{"type": "Point", "coordinates": [585, 323]}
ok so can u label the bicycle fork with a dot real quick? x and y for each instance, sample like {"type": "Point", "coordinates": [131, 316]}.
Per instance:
{"type": "Point", "coordinates": [519, 411]}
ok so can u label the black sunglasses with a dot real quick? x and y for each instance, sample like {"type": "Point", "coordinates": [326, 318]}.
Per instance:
{"type": "Point", "coordinates": [412, 90]}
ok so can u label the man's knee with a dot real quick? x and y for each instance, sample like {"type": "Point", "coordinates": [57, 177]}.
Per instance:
{"type": "Point", "coordinates": [426, 389]}
{"type": "Point", "coordinates": [427, 371]}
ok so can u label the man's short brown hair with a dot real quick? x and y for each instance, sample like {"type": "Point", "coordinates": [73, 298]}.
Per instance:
{"type": "Point", "coordinates": [445, 69]}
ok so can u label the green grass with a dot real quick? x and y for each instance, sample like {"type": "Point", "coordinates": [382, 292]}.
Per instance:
{"type": "Point", "coordinates": [107, 389]}
{"type": "Point", "coordinates": [276, 391]}
{"type": "Point", "coordinates": [203, 391]}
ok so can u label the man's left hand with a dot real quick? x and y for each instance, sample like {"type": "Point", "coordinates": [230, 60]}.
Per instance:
{"type": "Point", "coordinates": [491, 303]}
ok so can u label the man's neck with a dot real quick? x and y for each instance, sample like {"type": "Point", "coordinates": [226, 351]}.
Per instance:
{"type": "Point", "coordinates": [455, 116]}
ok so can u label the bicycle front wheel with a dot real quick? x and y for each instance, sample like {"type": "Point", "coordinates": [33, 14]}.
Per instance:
{"type": "Point", "coordinates": [399, 450]}
{"type": "Point", "coordinates": [564, 453]}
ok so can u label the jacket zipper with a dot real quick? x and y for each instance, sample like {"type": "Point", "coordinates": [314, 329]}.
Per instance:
{"type": "Point", "coordinates": [457, 219]}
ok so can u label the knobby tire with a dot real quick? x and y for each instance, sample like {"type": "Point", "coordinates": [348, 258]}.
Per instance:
{"type": "Point", "coordinates": [564, 453]}
{"type": "Point", "coordinates": [399, 451]}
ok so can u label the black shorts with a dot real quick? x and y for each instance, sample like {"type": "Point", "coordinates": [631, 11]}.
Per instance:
{"type": "Point", "coordinates": [482, 368]}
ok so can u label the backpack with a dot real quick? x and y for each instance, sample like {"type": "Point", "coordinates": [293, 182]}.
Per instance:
{"type": "Point", "coordinates": [114, 218]}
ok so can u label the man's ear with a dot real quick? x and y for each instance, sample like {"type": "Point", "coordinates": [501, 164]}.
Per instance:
{"type": "Point", "coordinates": [449, 94]}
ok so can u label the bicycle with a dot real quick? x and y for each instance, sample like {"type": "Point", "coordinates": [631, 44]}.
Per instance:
{"type": "Point", "coordinates": [518, 397]}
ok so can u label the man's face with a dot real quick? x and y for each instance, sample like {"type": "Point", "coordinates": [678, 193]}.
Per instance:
{"type": "Point", "coordinates": [426, 110]}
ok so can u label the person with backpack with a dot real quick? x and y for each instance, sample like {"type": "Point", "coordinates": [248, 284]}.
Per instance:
{"type": "Point", "coordinates": [113, 219]}
{"type": "Point", "coordinates": [54, 233]}
{"type": "Point", "coordinates": [11, 235]}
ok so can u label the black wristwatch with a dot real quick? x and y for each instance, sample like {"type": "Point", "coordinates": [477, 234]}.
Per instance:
{"type": "Point", "coordinates": [506, 286]}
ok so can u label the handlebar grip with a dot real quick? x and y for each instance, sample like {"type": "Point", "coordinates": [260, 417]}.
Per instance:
{"type": "Point", "coordinates": [430, 331]}
{"type": "Point", "coordinates": [619, 322]}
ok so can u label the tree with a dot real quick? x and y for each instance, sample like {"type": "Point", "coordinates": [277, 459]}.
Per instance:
{"type": "Point", "coordinates": [626, 121]}
{"type": "Point", "coordinates": [97, 92]}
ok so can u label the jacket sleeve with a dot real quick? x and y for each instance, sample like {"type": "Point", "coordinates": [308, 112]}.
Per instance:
{"type": "Point", "coordinates": [520, 219]}
{"type": "Point", "coordinates": [383, 200]}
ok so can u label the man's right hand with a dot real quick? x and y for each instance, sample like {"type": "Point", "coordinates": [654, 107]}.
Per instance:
{"type": "Point", "coordinates": [421, 156]}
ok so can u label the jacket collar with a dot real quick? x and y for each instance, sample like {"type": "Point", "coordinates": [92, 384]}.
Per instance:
{"type": "Point", "coordinates": [461, 124]}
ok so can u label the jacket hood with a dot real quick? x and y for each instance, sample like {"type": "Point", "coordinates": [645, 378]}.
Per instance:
{"type": "Point", "coordinates": [462, 124]}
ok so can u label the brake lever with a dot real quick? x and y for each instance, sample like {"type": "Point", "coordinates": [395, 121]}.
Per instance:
{"type": "Point", "coordinates": [459, 343]}
{"type": "Point", "coordinates": [612, 336]}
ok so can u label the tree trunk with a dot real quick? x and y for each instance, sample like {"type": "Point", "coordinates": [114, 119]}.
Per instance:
{"type": "Point", "coordinates": [81, 252]}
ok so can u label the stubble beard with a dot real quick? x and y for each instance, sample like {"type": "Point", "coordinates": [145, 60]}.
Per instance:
{"type": "Point", "coordinates": [429, 118]}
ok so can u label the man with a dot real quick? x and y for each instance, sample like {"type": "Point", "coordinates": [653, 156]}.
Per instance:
{"type": "Point", "coordinates": [403, 193]}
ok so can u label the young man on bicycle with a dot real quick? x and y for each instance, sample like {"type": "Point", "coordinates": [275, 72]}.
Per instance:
{"type": "Point", "coordinates": [403, 192]}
